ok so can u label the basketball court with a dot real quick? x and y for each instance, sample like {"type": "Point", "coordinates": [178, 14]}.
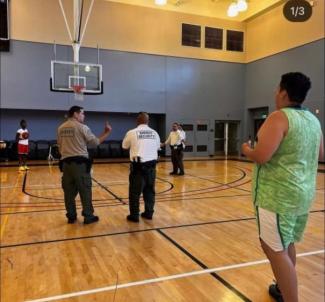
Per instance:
{"type": "Point", "coordinates": [202, 243]}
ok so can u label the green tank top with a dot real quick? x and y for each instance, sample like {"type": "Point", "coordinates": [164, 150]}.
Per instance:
{"type": "Point", "coordinates": [286, 183]}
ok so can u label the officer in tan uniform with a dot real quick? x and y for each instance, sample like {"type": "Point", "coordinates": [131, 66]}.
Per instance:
{"type": "Point", "coordinates": [144, 144]}
{"type": "Point", "coordinates": [73, 138]}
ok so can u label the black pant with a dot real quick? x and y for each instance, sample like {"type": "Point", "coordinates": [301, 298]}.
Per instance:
{"type": "Point", "coordinates": [76, 179]}
{"type": "Point", "coordinates": [142, 180]}
{"type": "Point", "coordinates": [177, 159]}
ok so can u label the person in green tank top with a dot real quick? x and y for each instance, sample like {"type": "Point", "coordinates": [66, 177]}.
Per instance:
{"type": "Point", "coordinates": [290, 143]}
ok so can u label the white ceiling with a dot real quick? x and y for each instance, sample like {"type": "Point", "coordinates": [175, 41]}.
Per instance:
{"type": "Point", "coordinates": [207, 8]}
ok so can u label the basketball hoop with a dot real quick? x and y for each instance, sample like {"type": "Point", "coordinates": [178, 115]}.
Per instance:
{"type": "Point", "coordinates": [78, 92]}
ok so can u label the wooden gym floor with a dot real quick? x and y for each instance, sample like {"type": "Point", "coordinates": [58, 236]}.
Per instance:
{"type": "Point", "coordinates": [203, 221]}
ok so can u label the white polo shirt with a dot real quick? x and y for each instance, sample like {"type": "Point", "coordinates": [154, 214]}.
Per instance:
{"type": "Point", "coordinates": [143, 142]}
{"type": "Point", "coordinates": [174, 138]}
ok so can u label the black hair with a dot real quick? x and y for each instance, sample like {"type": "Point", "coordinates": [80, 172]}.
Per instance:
{"type": "Point", "coordinates": [22, 122]}
{"type": "Point", "coordinates": [74, 109]}
{"type": "Point", "coordinates": [296, 84]}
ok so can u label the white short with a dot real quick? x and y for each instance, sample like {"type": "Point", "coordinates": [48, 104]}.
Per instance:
{"type": "Point", "coordinates": [269, 230]}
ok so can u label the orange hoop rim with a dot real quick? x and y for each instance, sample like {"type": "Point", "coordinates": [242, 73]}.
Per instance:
{"type": "Point", "coordinates": [78, 89]}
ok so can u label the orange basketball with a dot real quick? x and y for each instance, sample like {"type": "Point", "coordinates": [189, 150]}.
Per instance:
{"type": "Point", "coordinates": [25, 135]}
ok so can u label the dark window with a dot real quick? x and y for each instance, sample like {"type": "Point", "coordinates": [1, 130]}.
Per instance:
{"type": "Point", "coordinates": [4, 30]}
{"type": "Point", "coordinates": [187, 127]}
{"type": "Point", "coordinates": [235, 40]}
{"type": "Point", "coordinates": [213, 38]}
{"type": "Point", "coordinates": [202, 127]}
{"type": "Point", "coordinates": [188, 148]}
{"type": "Point", "coordinates": [202, 148]}
{"type": "Point", "coordinates": [191, 35]}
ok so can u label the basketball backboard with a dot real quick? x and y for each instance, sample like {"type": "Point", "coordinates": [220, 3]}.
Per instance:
{"type": "Point", "coordinates": [66, 75]}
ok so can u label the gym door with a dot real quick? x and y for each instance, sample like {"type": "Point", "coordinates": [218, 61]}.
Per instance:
{"type": "Point", "coordinates": [226, 138]}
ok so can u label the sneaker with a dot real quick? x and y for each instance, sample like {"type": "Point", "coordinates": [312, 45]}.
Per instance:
{"type": "Point", "coordinates": [173, 173]}
{"type": "Point", "coordinates": [181, 173]}
{"type": "Point", "coordinates": [146, 215]}
{"type": "Point", "coordinates": [132, 218]}
{"type": "Point", "coordinates": [275, 293]}
{"type": "Point", "coordinates": [21, 169]}
{"type": "Point", "coordinates": [26, 168]}
{"type": "Point", "coordinates": [91, 219]}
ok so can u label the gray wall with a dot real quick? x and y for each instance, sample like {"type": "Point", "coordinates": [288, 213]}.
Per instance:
{"type": "Point", "coordinates": [43, 124]}
{"type": "Point", "coordinates": [263, 77]}
{"type": "Point", "coordinates": [185, 89]}
{"type": "Point", "coordinates": [178, 88]}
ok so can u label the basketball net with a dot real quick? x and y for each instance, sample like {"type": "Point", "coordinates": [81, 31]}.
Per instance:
{"type": "Point", "coordinates": [78, 92]}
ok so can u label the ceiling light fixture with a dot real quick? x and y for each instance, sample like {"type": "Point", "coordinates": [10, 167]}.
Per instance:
{"type": "Point", "coordinates": [236, 7]}
{"type": "Point", "coordinates": [242, 5]}
{"type": "Point", "coordinates": [232, 10]}
{"type": "Point", "coordinates": [160, 2]}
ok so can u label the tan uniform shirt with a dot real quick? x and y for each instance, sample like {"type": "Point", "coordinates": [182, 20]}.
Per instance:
{"type": "Point", "coordinates": [74, 137]}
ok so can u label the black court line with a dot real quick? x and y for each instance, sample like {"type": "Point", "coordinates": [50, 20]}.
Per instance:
{"type": "Point", "coordinates": [216, 182]}
{"type": "Point", "coordinates": [139, 231]}
{"type": "Point", "coordinates": [49, 198]}
{"type": "Point", "coordinates": [163, 197]}
{"type": "Point", "coordinates": [161, 179]}
{"type": "Point", "coordinates": [57, 210]}
{"type": "Point", "coordinates": [166, 159]}
{"type": "Point", "coordinates": [200, 191]}
{"type": "Point", "coordinates": [108, 190]}
{"type": "Point", "coordinates": [126, 232]}
{"type": "Point", "coordinates": [221, 185]}
{"type": "Point", "coordinates": [119, 204]}
{"type": "Point", "coordinates": [201, 264]}
{"type": "Point", "coordinates": [167, 190]}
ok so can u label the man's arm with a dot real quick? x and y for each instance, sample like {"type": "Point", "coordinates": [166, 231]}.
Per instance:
{"type": "Point", "coordinates": [91, 139]}
{"type": "Point", "coordinates": [167, 142]}
{"type": "Point", "coordinates": [106, 133]}
{"type": "Point", "coordinates": [270, 136]}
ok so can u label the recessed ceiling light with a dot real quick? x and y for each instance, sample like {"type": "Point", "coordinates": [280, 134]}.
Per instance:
{"type": "Point", "coordinates": [160, 2]}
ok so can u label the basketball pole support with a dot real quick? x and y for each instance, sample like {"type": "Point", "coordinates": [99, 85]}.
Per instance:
{"type": "Point", "coordinates": [78, 35]}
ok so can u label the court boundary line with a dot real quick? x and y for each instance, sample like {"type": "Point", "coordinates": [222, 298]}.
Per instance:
{"type": "Point", "coordinates": [166, 159]}
{"type": "Point", "coordinates": [108, 190]}
{"type": "Point", "coordinates": [202, 265]}
{"type": "Point", "coordinates": [161, 199]}
{"type": "Point", "coordinates": [119, 204]}
{"type": "Point", "coordinates": [166, 278]}
{"type": "Point", "coordinates": [216, 182]}
{"type": "Point", "coordinates": [126, 232]}
{"type": "Point", "coordinates": [137, 231]}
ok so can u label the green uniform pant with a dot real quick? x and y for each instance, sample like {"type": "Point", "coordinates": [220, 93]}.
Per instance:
{"type": "Point", "coordinates": [76, 179]}
{"type": "Point", "coordinates": [142, 180]}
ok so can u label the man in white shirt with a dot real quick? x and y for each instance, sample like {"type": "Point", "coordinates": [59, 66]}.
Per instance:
{"type": "Point", "coordinates": [175, 140]}
{"type": "Point", "coordinates": [144, 144]}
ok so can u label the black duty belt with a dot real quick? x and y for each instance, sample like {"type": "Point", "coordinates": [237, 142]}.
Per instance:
{"type": "Point", "coordinates": [150, 163]}
{"type": "Point", "coordinates": [77, 160]}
